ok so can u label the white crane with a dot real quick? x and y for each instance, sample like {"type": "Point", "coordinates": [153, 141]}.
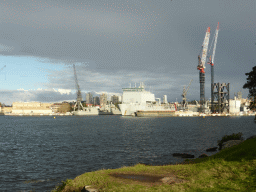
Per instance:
{"type": "Point", "coordinates": [211, 62]}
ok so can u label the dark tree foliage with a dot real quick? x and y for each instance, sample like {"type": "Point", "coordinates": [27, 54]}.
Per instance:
{"type": "Point", "coordinates": [251, 85]}
{"type": "Point", "coordinates": [65, 107]}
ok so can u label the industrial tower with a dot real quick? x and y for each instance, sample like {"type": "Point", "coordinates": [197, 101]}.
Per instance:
{"type": "Point", "coordinates": [201, 65]}
{"type": "Point", "coordinates": [211, 62]}
{"type": "Point", "coordinates": [79, 95]}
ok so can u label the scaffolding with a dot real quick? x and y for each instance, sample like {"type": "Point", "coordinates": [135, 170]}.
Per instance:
{"type": "Point", "coordinates": [220, 98]}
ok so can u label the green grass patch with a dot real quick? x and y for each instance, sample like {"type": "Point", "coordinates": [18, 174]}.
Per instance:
{"type": "Point", "coordinates": [231, 169]}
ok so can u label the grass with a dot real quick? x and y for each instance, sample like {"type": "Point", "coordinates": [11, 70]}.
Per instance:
{"type": "Point", "coordinates": [231, 169]}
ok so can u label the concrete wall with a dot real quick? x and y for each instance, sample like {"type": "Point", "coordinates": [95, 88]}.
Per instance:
{"type": "Point", "coordinates": [29, 111]}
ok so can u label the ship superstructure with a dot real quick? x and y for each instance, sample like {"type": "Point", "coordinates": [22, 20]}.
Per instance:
{"type": "Point", "coordinates": [138, 99]}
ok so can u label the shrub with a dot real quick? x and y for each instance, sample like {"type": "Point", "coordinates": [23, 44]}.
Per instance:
{"type": "Point", "coordinates": [225, 138]}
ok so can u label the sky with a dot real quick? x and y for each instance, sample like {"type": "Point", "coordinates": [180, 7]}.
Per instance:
{"type": "Point", "coordinates": [117, 42]}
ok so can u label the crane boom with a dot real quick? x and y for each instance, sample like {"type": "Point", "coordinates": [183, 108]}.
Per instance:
{"type": "Point", "coordinates": [3, 68]}
{"type": "Point", "coordinates": [184, 94]}
{"type": "Point", "coordinates": [188, 86]}
{"type": "Point", "coordinates": [205, 46]}
{"type": "Point", "coordinates": [79, 95]}
{"type": "Point", "coordinates": [76, 81]}
{"type": "Point", "coordinates": [215, 43]}
{"type": "Point", "coordinates": [201, 61]}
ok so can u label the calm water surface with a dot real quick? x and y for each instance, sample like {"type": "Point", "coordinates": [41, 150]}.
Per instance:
{"type": "Point", "coordinates": [37, 153]}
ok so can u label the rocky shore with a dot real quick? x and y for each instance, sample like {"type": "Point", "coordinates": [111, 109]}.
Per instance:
{"type": "Point", "coordinates": [225, 145]}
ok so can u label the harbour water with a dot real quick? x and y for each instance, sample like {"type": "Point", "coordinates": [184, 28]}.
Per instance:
{"type": "Point", "coordinates": [37, 153]}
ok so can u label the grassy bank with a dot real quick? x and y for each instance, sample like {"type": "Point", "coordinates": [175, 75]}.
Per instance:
{"type": "Point", "coordinates": [231, 169]}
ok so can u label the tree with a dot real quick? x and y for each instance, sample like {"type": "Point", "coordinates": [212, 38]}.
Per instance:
{"type": "Point", "coordinates": [116, 104]}
{"type": "Point", "coordinates": [65, 107]}
{"type": "Point", "coordinates": [251, 85]}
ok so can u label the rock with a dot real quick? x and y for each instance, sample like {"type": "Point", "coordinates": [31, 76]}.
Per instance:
{"type": "Point", "coordinates": [231, 143]}
{"type": "Point", "coordinates": [183, 155]}
{"type": "Point", "coordinates": [211, 149]}
{"type": "Point", "coordinates": [252, 137]}
{"type": "Point", "coordinates": [203, 155]}
{"type": "Point", "coordinates": [187, 156]}
{"type": "Point", "coordinates": [88, 189]}
{"type": "Point", "coordinates": [177, 154]}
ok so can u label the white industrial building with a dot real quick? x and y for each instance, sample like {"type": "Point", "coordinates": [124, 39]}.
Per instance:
{"type": "Point", "coordinates": [165, 99]}
{"type": "Point", "coordinates": [234, 106]}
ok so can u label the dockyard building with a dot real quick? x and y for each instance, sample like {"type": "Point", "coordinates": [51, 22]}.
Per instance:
{"type": "Point", "coordinates": [103, 99]}
{"type": "Point", "coordinates": [114, 99]}
{"type": "Point", "coordinates": [89, 98]}
{"type": "Point", "coordinates": [33, 108]}
{"type": "Point", "coordinates": [96, 100]}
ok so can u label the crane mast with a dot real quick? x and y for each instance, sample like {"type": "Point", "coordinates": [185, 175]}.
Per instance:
{"type": "Point", "coordinates": [79, 95]}
{"type": "Point", "coordinates": [201, 65]}
{"type": "Point", "coordinates": [184, 94]}
{"type": "Point", "coordinates": [211, 62]}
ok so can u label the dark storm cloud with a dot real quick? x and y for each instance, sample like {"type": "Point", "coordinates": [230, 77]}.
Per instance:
{"type": "Point", "coordinates": [107, 37]}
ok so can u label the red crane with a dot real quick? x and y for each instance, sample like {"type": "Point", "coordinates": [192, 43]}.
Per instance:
{"type": "Point", "coordinates": [201, 65]}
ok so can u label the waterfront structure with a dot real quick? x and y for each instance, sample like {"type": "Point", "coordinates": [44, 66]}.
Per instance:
{"type": "Point", "coordinates": [89, 98]}
{"type": "Point", "coordinates": [165, 99]}
{"type": "Point", "coordinates": [55, 107]}
{"type": "Point", "coordinates": [7, 110]}
{"type": "Point", "coordinates": [1, 110]}
{"type": "Point", "coordinates": [114, 99]}
{"type": "Point", "coordinates": [81, 110]}
{"type": "Point", "coordinates": [220, 97]}
{"type": "Point", "coordinates": [96, 100]}
{"type": "Point", "coordinates": [31, 108]}
{"type": "Point", "coordinates": [103, 99]}
{"type": "Point", "coordinates": [235, 105]}
{"type": "Point", "coordinates": [244, 107]}
{"type": "Point", "coordinates": [86, 111]}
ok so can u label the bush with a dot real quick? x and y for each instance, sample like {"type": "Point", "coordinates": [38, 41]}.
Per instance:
{"type": "Point", "coordinates": [237, 136]}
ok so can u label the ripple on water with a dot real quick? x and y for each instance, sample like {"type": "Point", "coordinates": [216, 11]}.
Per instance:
{"type": "Point", "coordinates": [40, 152]}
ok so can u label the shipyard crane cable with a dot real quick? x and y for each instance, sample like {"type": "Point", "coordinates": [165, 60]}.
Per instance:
{"type": "Point", "coordinates": [2, 69]}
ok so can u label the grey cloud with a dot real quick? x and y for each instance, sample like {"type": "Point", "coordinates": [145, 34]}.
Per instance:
{"type": "Point", "coordinates": [165, 58]}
